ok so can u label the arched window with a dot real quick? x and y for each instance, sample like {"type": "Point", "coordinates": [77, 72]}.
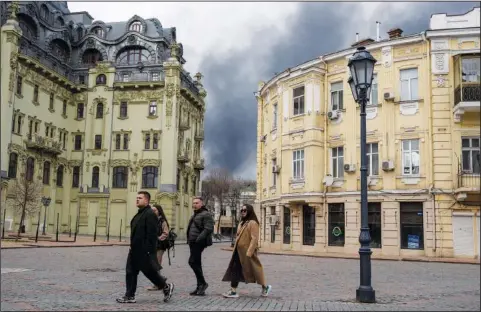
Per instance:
{"type": "Point", "coordinates": [98, 31]}
{"type": "Point", "coordinates": [59, 21]}
{"type": "Point", "coordinates": [30, 169]}
{"type": "Point", "coordinates": [91, 57]}
{"type": "Point", "coordinates": [60, 49]}
{"type": "Point", "coordinates": [44, 12]}
{"type": "Point", "coordinates": [46, 172]}
{"type": "Point", "coordinates": [95, 176]}
{"type": "Point", "coordinates": [80, 33]}
{"type": "Point", "coordinates": [150, 177]}
{"type": "Point", "coordinates": [132, 56]}
{"type": "Point", "coordinates": [101, 79]}
{"type": "Point", "coordinates": [28, 27]}
{"type": "Point", "coordinates": [60, 176]}
{"type": "Point", "coordinates": [100, 110]}
{"type": "Point", "coordinates": [12, 165]}
{"type": "Point", "coordinates": [136, 26]}
{"type": "Point", "coordinates": [120, 177]}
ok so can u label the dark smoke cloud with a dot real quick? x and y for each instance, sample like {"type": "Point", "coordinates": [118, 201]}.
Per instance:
{"type": "Point", "coordinates": [319, 28]}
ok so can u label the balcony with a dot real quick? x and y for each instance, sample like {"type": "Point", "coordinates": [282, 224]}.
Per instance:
{"type": "Point", "coordinates": [183, 156]}
{"type": "Point", "coordinates": [43, 144]}
{"type": "Point", "coordinates": [102, 190]}
{"type": "Point", "coordinates": [184, 125]}
{"type": "Point", "coordinates": [139, 79]}
{"type": "Point", "coordinates": [199, 164]}
{"type": "Point", "coordinates": [199, 135]}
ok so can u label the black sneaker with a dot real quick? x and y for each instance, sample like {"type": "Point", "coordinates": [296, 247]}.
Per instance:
{"type": "Point", "coordinates": [194, 293]}
{"type": "Point", "coordinates": [168, 290]}
{"type": "Point", "coordinates": [201, 289]}
{"type": "Point", "coordinates": [126, 299]}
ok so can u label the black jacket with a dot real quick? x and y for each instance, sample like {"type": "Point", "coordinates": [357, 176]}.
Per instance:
{"type": "Point", "coordinates": [201, 226]}
{"type": "Point", "coordinates": [143, 231]}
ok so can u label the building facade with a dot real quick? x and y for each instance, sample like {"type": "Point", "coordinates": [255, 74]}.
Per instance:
{"type": "Point", "coordinates": [97, 111]}
{"type": "Point", "coordinates": [423, 133]}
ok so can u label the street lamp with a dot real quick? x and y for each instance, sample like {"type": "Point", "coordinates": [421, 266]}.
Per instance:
{"type": "Point", "coordinates": [45, 202]}
{"type": "Point", "coordinates": [361, 65]}
{"type": "Point", "coordinates": [232, 213]}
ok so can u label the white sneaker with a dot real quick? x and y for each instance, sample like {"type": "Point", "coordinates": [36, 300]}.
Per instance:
{"type": "Point", "coordinates": [230, 294]}
{"type": "Point", "coordinates": [266, 290]}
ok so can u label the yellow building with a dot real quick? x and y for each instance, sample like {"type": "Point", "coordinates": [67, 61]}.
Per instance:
{"type": "Point", "coordinates": [423, 138]}
{"type": "Point", "coordinates": [97, 111]}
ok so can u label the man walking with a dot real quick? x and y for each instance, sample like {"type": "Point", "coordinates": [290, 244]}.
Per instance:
{"type": "Point", "coordinates": [143, 251]}
{"type": "Point", "coordinates": [199, 236]}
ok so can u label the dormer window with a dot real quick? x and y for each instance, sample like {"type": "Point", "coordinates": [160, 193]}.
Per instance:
{"type": "Point", "coordinates": [101, 79]}
{"type": "Point", "coordinates": [136, 26]}
{"type": "Point", "coordinates": [99, 32]}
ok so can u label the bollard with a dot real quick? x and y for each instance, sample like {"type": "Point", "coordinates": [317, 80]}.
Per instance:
{"type": "Point", "coordinates": [76, 230]}
{"type": "Point", "coordinates": [108, 231]}
{"type": "Point", "coordinates": [38, 227]}
{"type": "Point", "coordinates": [3, 227]}
{"type": "Point", "coordinates": [120, 235]}
{"type": "Point", "coordinates": [95, 231]}
{"type": "Point", "coordinates": [56, 237]}
{"type": "Point", "coordinates": [69, 226]}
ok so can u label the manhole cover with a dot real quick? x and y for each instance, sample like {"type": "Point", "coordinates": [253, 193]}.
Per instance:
{"type": "Point", "coordinates": [99, 270]}
{"type": "Point", "coordinates": [14, 270]}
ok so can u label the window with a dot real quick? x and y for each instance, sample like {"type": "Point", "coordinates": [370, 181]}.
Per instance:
{"type": "Point", "coordinates": [60, 176]}
{"type": "Point", "coordinates": [336, 224]}
{"type": "Point", "coordinates": [91, 57]}
{"type": "Point", "coordinates": [274, 175]}
{"type": "Point", "coordinates": [149, 177]}
{"type": "Point", "coordinates": [100, 111]}
{"type": "Point", "coordinates": [98, 31]}
{"type": "Point", "coordinates": [131, 56]}
{"type": "Point", "coordinates": [81, 79]}
{"type": "Point", "coordinates": [337, 100]}
{"type": "Point", "coordinates": [298, 164]}
{"type": "Point", "coordinates": [373, 100]}
{"type": "Point", "coordinates": [12, 165]}
{"type": "Point", "coordinates": [44, 12]}
{"type": "Point", "coordinates": [286, 232]}
{"type": "Point", "coordinates": [101, 79]}
{"type": "Point", "coordinates": [64, 140]}
{"type": "Point", "coordinates": [470, 151]}
{"type": "Point", "coordinates": [153, 108]}
{"type": "Point", "coordinates": [412, 226]}
{"type": "Point", "coordinates": [80, 110]}
{"type": "Point", "coordinates": [46, 172]}
{"type": "Point", "coordinates": [177, 180]}
{"type": "Point", "coordinates": [155, 143]}
{"type": "Point", "coordinates": [374, 223]}
{"type": "Point", "coordinates": [64, 108]}
{"type": "Point", "coordinates": [80, 33]}
{"type": "Point", "coordinates": [123, 109]}
{"type": "Point", "coordinates": [120, 177]}
{"type": "Point", "coordinates": [117, 141]}
{"type": "Point", "coordinates": [410, 160]}
{"type": "Point", "coordinates": [194, 186]}
{"type": "Point", "coordinates": [308, 225]}
{"type": "Point", "coordinates": [298, 100]}
{"type": "Point", "coordinates": [470, 70]}
{"type": "Point", "coordinates": [409, 84]}
{"type": "Point", "coordinates": [125, 77]}
{"type": "Point", "coordinates": [35, 94]}
{"type": "Point", "coordinates": [372, 153]}
{"type": "Point", "coordinates": [19, 85]}
{"type": "Point", "coordinates": [37, 125]}
{"type": "Point", "coordinates": [60, 49]}
{"type": "Point", "coordinates": [136, 26]}
{"type": "Point", "coordinates": [95, 176]}
{"type": "Point", "coordinates": [98, 141]}
{"type": "Point", "coordinates": [186, 185]}
{"type": "Point", "coordinates": [78, 142]}
{"type": "Point", "coordinates": [126, 141]}
{"type": "Point", "coordinates": [337, 161]}
{"type": "Point", "coordinates": [147, 141]}
{"type": "Point", "coordinates": [30, 169]}
{"type": "Point", "coordinates": [30, 128]}
{"type": "Point", "coordinates": [155, 76]}
{"type": "Point", "coordinates": [274, 116]}
{"type": "Point", "coordinates": [76, 176]}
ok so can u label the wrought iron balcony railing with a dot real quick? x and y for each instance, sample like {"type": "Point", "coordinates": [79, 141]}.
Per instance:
{"type": "Point", "coordinates": [467, 93]}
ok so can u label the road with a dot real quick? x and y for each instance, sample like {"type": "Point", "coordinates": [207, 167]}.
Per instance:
{"type": "Point", "coordinates": [91, 278]}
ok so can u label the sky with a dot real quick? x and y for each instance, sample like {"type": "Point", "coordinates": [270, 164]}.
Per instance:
{"type": "Point", "coordinates": [237, 44]}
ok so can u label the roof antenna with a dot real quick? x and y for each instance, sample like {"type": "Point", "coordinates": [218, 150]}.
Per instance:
{"type": "Point", "coordinates": [378, 38]}
{"type": "Point", "coordinates": [357, 37]}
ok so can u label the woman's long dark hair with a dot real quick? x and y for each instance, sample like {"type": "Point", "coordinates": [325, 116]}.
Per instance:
{"type": "Point", "coordinates": [161, 213]}
{"type": "Point", "coordinates": [250, 215]}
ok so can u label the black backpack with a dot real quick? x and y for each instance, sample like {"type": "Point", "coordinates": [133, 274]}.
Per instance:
{"type": "Point", "coordinates": [171, 243]}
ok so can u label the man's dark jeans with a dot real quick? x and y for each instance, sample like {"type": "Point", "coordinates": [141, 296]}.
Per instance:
{"type": "Point", "coordinates": [147, 265]}
{"type": "Point", "coordinates": [195, 261]}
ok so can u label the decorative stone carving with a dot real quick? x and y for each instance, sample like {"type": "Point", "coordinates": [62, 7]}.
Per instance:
{"type": "Point", "coordinates": [386, 56]}
{"type": "Point", "coordinates": [440, 81]}
{"type": "Point", "coordinates": [120, 163]}
{"type": "Point", "coordinates": [149, 162]}
{"type": "Point", "coordinates": [408, 109]}
{"type": "Point", "coordinates": [437, 45]}
{"type": "Point", "coordinates": [371, 112]}
{"type": "Point", "coordinates": [440, 63]}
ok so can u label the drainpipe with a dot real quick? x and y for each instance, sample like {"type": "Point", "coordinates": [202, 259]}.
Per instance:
{"type": "Point", "coordinates": [107, 222]}
{"type": "Point", "coordinates": [81, 178]}
{"type": "Point", "coordinates": [325, 150]}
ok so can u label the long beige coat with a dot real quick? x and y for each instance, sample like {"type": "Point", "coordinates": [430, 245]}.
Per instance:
{"type": "Point", "coordinates": [246, 244]}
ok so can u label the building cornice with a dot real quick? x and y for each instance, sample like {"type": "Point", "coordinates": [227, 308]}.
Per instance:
{"type": "Point", "coordinates": [453, 32]}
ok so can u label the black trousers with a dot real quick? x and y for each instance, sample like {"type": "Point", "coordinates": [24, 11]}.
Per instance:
{"type": "Point", "coordinates": [148, 265]}
{"type": "Point", "coordinates": [195, 262]}
{"type": "Point", "coordinates": [236, 275]}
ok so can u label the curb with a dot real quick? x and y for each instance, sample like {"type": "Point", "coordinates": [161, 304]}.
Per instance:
{"type": "Point", "coordinates": [433, 260]}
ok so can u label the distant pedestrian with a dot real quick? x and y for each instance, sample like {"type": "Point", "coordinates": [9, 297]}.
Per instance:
{"type": "Point", "coordinates": [163, 234]}
{"type": "Point", "coordinates": [244, 265]}
{"type": "Point", "coordinates": [199, 236]}
{"type": "Point", "coordinates": [142, 252]}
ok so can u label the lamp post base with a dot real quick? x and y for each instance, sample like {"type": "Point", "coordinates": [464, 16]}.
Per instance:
{"type": "Point", "coordinates": [365, 294]}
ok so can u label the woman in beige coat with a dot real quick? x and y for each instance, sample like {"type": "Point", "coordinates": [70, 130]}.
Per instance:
{"type": "Point", "coordinates": [244, 265]}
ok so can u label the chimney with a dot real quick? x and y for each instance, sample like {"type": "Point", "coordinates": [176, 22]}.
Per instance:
{"type": "Point", "coordinates": [357, 37]}
{"type": "Point", "coordinates": [378, 38]}
{"type": "Point", "coordinates": [395, 33]}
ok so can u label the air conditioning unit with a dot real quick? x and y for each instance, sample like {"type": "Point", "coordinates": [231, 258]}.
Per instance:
{"type": "Point", "coordinates": [388, 96]}
{"type": "Point", "coordinates": [388, 165]}
{"type": "Point", "coordinates": [333, 115]}
{"type": "Point", "coordinates": [276, 169]}
{"type": "Point", "coordinates": [350, 167]}
{"type": "Point", "coordinates": [328, 180]}
{"type": "Point", "coordinates": [273, 219]}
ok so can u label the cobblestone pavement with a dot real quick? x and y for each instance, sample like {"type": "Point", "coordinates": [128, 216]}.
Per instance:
{"type": "Point", "coordinates": [91, 279]}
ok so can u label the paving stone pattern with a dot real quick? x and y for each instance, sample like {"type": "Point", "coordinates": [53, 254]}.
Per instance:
{"type": "Point", "coordinates": [91, 278]}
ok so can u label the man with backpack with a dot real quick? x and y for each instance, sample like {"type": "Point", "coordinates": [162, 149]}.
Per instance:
{"type": "Point", "coordinates": [199, 236]}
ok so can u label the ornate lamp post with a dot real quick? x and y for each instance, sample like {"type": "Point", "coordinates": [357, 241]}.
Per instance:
{"type": "Point", "coordinates": [45, 202]}
{"type": "Point", "coordinates": [361, 65]}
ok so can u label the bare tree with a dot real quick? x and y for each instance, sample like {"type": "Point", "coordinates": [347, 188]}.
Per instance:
{"type": "Point", "coordinates": [208, 194]}
{"type": "Point", "coordinates": [220, 179]}
{"type": "Point", "coordinates": [26, 200]}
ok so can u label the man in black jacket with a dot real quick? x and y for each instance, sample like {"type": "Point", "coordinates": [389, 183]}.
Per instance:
{"type": "Point", "coordinates": [199, 236]}
{"type": "Point", "coordinates": [143, 251]}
